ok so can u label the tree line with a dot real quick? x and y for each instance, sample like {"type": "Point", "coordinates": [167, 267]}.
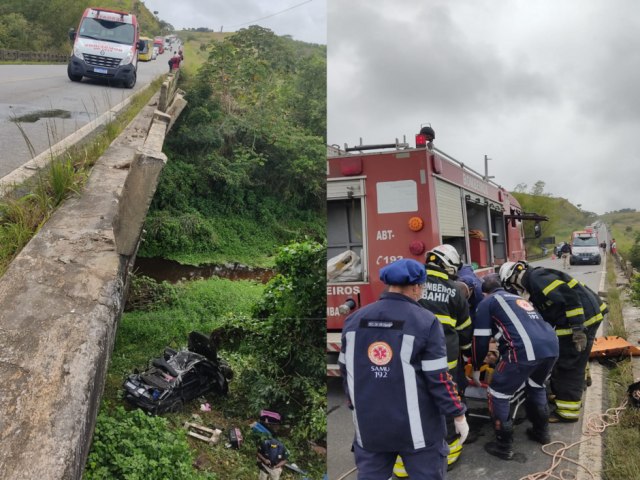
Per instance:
{"type": "Point", "coordinates": [43, 25]}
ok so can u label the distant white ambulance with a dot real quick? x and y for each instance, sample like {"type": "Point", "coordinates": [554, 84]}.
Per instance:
{"type": "Point", "coordinates": [105, 46]}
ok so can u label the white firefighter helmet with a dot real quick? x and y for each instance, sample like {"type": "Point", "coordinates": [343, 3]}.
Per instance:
{"type": "Point", "coordinates": [445, 256]}
{"type": "Point", "coordinates": [508, 269]}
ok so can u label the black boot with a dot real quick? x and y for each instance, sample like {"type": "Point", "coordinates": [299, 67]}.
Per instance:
{"type": "Point", "coordinates": [503, 446]}
{"type": "Point", "coordinates": [538, 415]}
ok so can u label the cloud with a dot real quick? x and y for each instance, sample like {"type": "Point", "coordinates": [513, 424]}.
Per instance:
{"type": "Point", "coordinates": [546, 89]}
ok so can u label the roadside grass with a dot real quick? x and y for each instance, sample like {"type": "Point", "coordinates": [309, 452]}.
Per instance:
{"type": "Point", "coordinates": [621, 458]}
{"type": "Point", "coordinates": [196, 50]}
{"type": "Point", "coordinates": [30, 205]}
{"type": "Point", "coordinates": [201, 305]}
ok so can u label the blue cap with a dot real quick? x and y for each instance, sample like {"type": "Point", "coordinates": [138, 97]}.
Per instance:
{"type": "Point", "coordinates": [405, 271]}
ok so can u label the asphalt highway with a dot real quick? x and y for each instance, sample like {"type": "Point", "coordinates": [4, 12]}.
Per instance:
{"type": "Point", "coordinates": [48, 107]}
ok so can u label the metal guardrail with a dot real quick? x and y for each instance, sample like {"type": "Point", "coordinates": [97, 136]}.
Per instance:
{"type": "Point", "coordinates": [17, 55]}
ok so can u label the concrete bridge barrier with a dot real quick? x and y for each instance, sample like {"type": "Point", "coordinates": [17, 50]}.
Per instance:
{"type": "Point", "coordinates": [60, 303]}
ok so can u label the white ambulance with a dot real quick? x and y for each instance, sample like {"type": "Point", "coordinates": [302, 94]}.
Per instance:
{"type": "Point", "coordinates": [105, 46]}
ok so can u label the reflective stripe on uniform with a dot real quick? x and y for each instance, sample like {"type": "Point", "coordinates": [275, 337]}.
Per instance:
{"type": "Point", "coordinates": [453, 364]}
{"type": "Point", "coordinates": [435, 273]}
{"type": "Point", "coordinates": [434, 365]}
{"type": "Point", "coordinates": [575, 312]}
{"type": "Point", "coordinates": [533, 384]}
{"type": "Point", "coordinates": [603, 307]}
{"type": "Point", "coordinates": [398, 468]}
{"type": "Point", "coordinates": [446, 320]}
{"type": "Point", "coordinates": [566, 405]}
{"type": "Point", "coordinates": [495, 394]}
{"type": "Point", "coordinates": [568, 414]}
{"type": "Point", "coordinates": [341, 358]}
{"type": "Point", "coordinates": [568, 410]}
{"type": "Point", "coordinates": [569, 331]}
{"type": "Point", "coordinates": [465, 324]}
{"type": "Point", "coordinates": [349, 355]}
{"type": "Point", "coordinates": [551, 286]}
{"type": "Point", "coordinates": [572, 283]}
{"type": "Point", "coordinates": [455, 449]}
{"type": "Point", "coordinates": [594, 319]}
{"type": "Point", "coordinates": [517, 323]}
{"type": "Point", "coordinates": [411, 392]}
{"type": "Point", "coordinates": [564, 331]}
{"type": "Point", "coordinates": [482, 332]}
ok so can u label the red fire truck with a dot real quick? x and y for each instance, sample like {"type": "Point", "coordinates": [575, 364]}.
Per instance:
{"type": "Point", "coordinates": [391, 201]}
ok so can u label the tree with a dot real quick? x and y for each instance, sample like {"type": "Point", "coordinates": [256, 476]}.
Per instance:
{"type": "Point", "coordinates": [538, 188]}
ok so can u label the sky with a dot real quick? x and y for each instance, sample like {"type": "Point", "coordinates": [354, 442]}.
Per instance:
{"type": "Point", "coordinates": [304, 20]}
{"type": "Point", "coordinates": [549, 90]}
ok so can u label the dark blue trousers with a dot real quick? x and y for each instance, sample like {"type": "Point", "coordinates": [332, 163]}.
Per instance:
{"type": "Point", "coordinates": [424, 464]}
{"type": "Point", "coordinates": [508, 378]}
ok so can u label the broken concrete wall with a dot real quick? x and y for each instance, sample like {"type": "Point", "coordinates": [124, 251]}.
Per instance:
{"type": "Point", "coordinates": [60, 303]}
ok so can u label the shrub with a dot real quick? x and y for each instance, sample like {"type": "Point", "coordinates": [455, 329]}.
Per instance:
{"type": "Point", "coordinates": [135, 446]}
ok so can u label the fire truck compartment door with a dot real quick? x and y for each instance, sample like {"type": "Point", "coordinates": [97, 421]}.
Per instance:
{"type": "Point", "coordinates": [341, 189]}
{"type": "Point", "coordinates": [449, 209]}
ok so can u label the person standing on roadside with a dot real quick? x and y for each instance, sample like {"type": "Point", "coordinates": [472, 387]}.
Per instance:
{"type": "Point", "coordinates": [565, 251]}
{"type": "Point", "coordinates": [394, 367]}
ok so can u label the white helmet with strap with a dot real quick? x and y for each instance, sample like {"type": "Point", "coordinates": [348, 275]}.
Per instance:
{"type": "Point", "coordinates": [446, 256]}
{"type": "Point", "coordinates": [507, 271]}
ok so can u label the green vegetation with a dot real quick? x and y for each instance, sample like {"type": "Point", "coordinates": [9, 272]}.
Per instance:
{"type": "Point", "coordinates": [620, 461]}
{"type": "Point", "coordinates": [132, 445]}
{"type": "Point", "coordinates": [625, 227]}
{"type": "Point", "coordinates": [247, 158]}
{"type": "Point", "coordinates": [273, 338]}
{"type": "Point", "coordinates": [43, 25]}
{"type": "Point", "coordinates": [564, 217]}
{"type": "Point", "coordinates": [22, 214]}
{"type": "Point", "coordinates": [244, 183]}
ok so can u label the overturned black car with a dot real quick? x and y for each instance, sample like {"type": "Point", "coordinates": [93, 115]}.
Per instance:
{"type": "Point", "coordinates": [178, 377]}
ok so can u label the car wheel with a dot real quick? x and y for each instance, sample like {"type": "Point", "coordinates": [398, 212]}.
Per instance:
{"type": "Point", "coordinates": [72, 77]}
{"type": "Point", "coordinates": [176, 406]}
{"type": "Point", "coordinates": [131, 81]}
{"type": "Point", "coordinates": [226, 370]}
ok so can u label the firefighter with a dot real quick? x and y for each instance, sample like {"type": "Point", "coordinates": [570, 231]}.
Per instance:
{"type": "Point", "coordinates": [528, 349]}
{"type": "Point", "coordinates": [443, 297]}
{"type": "Point", "coordinates": [575, 312]}
{"type": "Point", "coordinates": [394, 348]}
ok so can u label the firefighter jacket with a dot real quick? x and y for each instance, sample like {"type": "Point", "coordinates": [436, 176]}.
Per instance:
{"type": "Point", "coordinates": [442, 297]}
{"type": "Point", "coordinates": [394, 367]}
{"type": "Point", "coordinates": [562, 301]}
{"type": "Point", "coordinates": [521, 332]}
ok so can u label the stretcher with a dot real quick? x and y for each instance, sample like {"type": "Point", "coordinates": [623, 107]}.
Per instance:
{"type": "Point", "coordinates": [476, 396]}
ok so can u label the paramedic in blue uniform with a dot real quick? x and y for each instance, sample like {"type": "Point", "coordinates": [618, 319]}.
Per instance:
{"type": "Point", "coordinates": [394, 367]}
{"type": "Point", "coordinates": [528, 348]}
{"type": "Point", "coordinates": [575, 312]}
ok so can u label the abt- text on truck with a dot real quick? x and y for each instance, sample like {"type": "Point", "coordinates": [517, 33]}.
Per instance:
{"type": "Point", "coordinates": [105, 46]}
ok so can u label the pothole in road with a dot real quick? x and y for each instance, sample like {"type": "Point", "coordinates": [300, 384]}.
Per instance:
{"type": "Point", "coordinates": [35, 116]}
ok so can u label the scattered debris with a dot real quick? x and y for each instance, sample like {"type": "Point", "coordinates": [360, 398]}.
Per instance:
{"type": "Point", "coordinates": [203, 433]}
{"type": "Point", "coordinates": [235, 438]}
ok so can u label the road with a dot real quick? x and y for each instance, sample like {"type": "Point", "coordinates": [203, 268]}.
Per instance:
{"type": "Point", "coordinates": [474, 462]}
{"type": "Point", "coordinates": [44, 90]}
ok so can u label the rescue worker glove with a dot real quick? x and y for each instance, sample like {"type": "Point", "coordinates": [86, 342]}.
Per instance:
{"type": "Point", "coordinates": [579, 339]}
{"type": "Point", "coordinates": [462, 427]}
